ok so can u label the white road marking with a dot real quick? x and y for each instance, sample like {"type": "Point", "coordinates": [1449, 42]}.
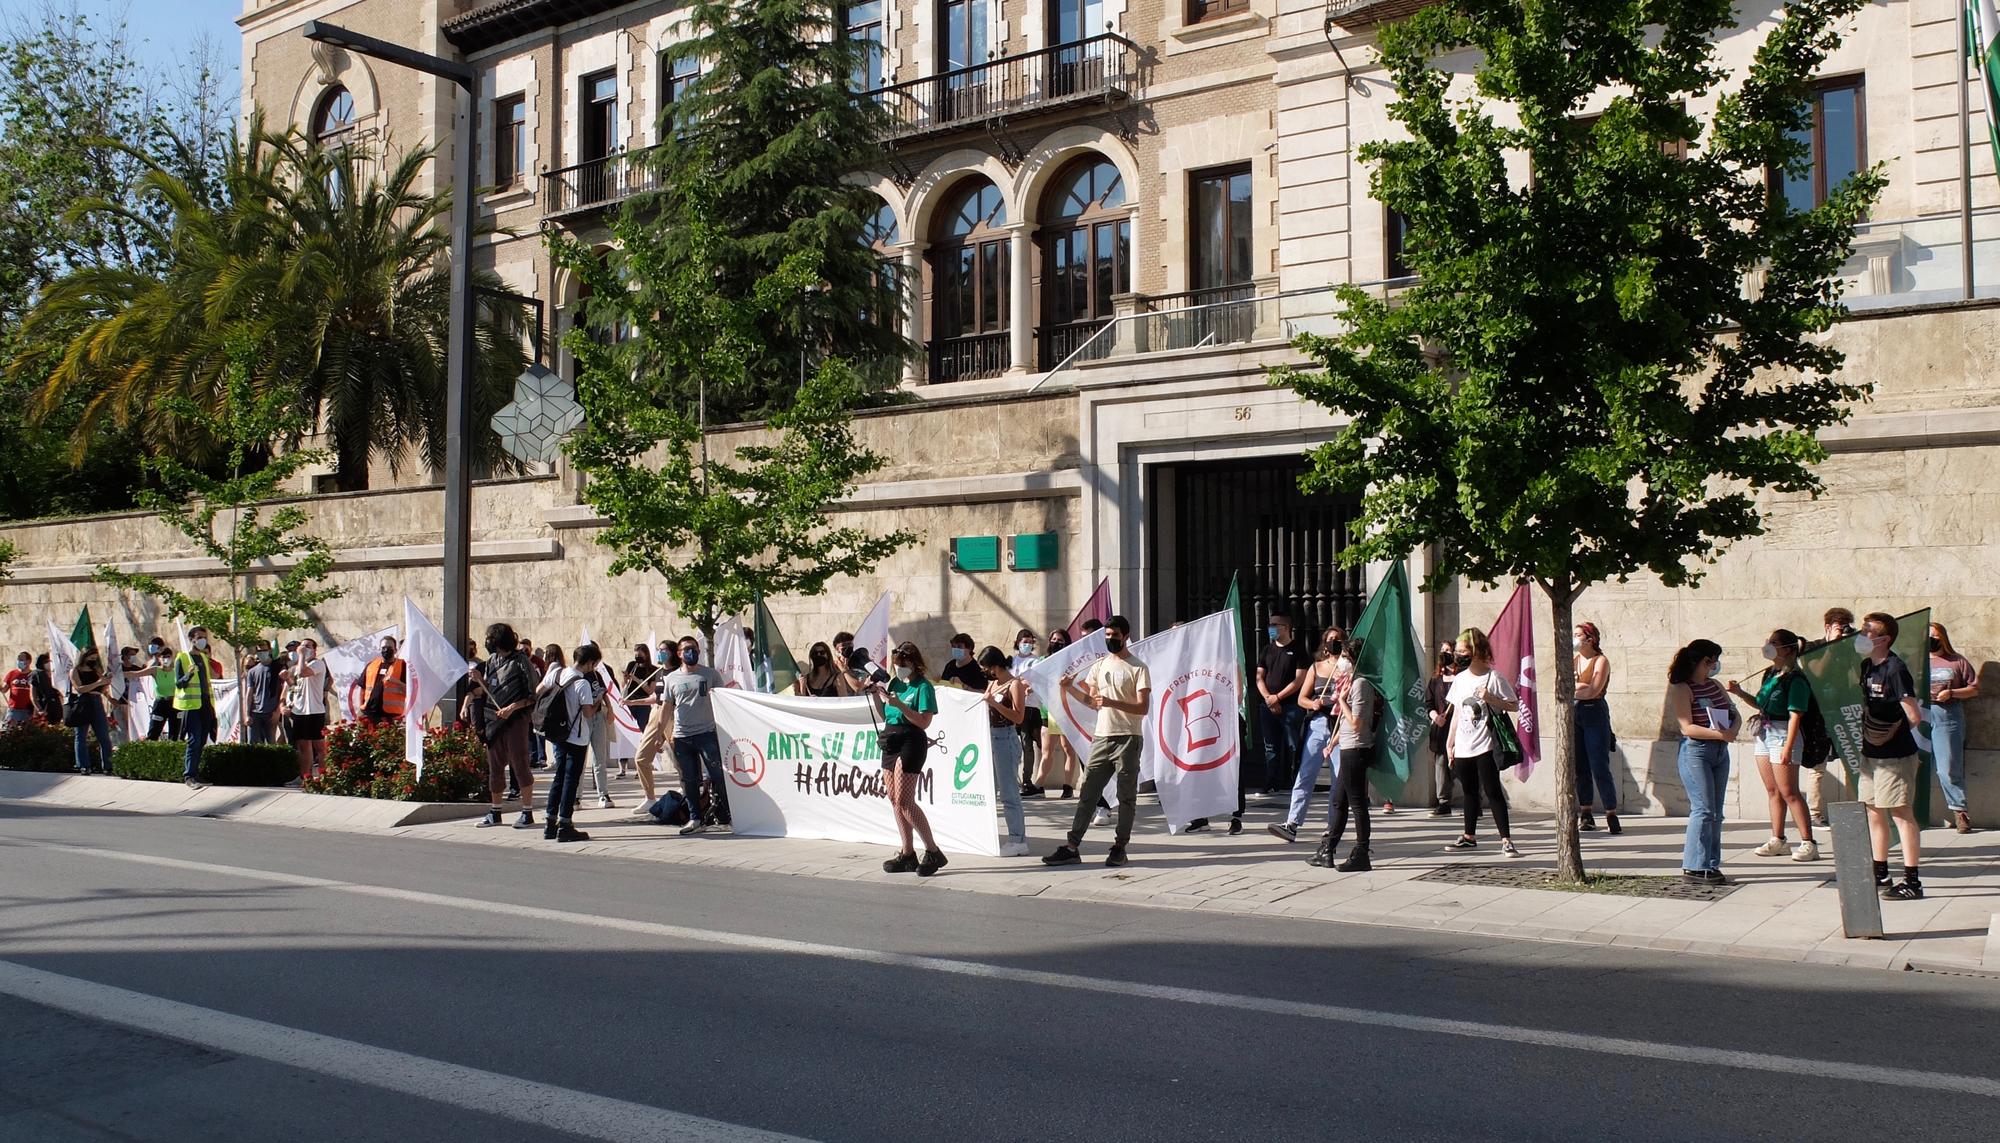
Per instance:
{"type": "Point", "coordinates": [508, 1097]}
{"type": "Point", "coordinates": [1907, 1078]}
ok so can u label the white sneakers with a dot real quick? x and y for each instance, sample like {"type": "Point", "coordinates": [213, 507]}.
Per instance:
{"type": "Point", "coordinates": [1102, 817]}
{"type": "Point", "coordinates": [1808, 850]}
{"type": "Point", "coordinates": [1775, 847]}
{"type": "Point", "coordinates": [1014, 849]}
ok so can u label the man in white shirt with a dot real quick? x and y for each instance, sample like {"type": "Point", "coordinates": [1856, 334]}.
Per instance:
{"type": "Point", "coordinates": [305, 707]}
{"type": "Point", "coordinates": [1119, 688]}
{"type": "Point", "coordinates": [572, 684]}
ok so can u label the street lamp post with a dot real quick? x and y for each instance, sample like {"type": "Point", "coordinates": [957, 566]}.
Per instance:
{"type": "Point", "coordinates": [459, 362]}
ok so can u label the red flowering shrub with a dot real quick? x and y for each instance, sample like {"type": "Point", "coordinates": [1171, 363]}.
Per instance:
{"type": "Point", "coordinates": [367, 762]}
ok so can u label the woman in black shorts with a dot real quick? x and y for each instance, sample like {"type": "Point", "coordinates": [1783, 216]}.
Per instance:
{"type": "Point", "coordinates": [909, 702]}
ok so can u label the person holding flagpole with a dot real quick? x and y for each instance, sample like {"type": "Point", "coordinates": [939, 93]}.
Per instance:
{"type": "Point", "coordinates": [1007, 706]}
{"type": "Point", "coordinates": [194, 698]}
{"type": "Point", "coordinates": [1478, 694]}
{"type": "Point", "coordinates": [89, 683]}
{"type": "Point", "coordinates": [1119, 688]}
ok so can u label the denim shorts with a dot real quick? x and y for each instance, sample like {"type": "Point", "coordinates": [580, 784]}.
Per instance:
{"type": "Point", "coordinates": [1771, 741]}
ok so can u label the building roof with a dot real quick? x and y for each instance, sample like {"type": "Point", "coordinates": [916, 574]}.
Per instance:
{"type": "Point", "coordinates": [503, 20]}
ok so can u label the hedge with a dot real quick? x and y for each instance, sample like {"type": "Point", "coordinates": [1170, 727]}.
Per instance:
{"type": "Point", "coordinates": [367, 762]}
{"type": "Point", "coordinates": [43, 749]}
{"type": "Point", "coordinates": [223, 764]}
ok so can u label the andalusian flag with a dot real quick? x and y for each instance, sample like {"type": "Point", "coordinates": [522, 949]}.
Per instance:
{"type": "Point", "coordinates": [1391, 661]}
{"type": "Point", "coordinates": [1982, 29]}
{"type": "Point", "coordinates": [1252, 733]}
{"type": "Point", "coordinates": [80, 635]}
{"type": "Point", "coordinates": [776, 668]}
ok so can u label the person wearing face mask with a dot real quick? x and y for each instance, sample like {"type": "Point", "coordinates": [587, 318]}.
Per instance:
{"type": "Point", "coordinates": [1781, 707]}
{"type": "Point", "coordinates": [1030, 730]}
{"type": "Point", "coordinates": [1059, 763]}
{"type": "Point", "coordinates": [820, 679]}
{"type": "Point", "coordinates": [1439, 710]}
{"type": "Point", "coordinates": [48, 696]}
{"type": "Point", "coordinates": [962, 669]}
{"type": "Point", "coordinates": [88, 682]}
{"type": "Point", "coordinates": [1006, 708]}
{"type": "Point", "coordinates": [908, 704]}
{"type": "Point", "coordinates": [1592, 718]}
{"type": "Point", "coordinates": [20, 685]}
{"type": "Point", "coordinates": [262, 689]}
{"type": "Point", "coordinates": [685, 699]}
{"type": "Point", "coordinates": [1952, 681]}
{"type": "Point", "coordinates": [1357, 708]}
{"type": "Point", "coordinates": [1280, 673]}
{"type": "Point", "coordinates": [165, 721]}
{"type": "Point", "coordinates": [508, 698]}
{"type": "Point", "coordinates": [1316, 698]}
{"type": "Point", "coordinates": [1888, 770]}
{"type": "Point", "coordinates": [1708, 724]}
{"type": "Point", "coordinates": [1120, 689]}
{"type": "Point", "coordinates": [1821, 784]}
{"type": "Point", "coordinates": [194, 699]}
{"type": "Point", "coordinates": [384, 686]}
{"type": "Point", "coordinates": [307, 685]}
{"type": "Point", "coordinates": [1478, 695]}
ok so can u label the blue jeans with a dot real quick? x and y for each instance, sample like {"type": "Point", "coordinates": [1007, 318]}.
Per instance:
{"type": "Point", "coordinates": [1948, 751]}
{"type": "Point", "coordinates": [1705, 772]}
{"type": "Point", "coordinates": [196, 728]}
{"type": "Point", "coordinates": [564, 782]}
{"type": "Point", "coordinates": [1282, 731]}
{"type": "Point", "coordinates": [93, 709]}
{"type": "Point", "coordinates": [1007, 779]}
{"type": "Point", "coordinates": [1593, 754]}
{"type": "Point", "coordinates": [694, 754]}
{"type": "Point", "coordinates": [1311, 757]}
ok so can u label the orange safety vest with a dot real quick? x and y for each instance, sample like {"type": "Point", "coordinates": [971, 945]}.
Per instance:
{"type": "Point", "coordinates": [394, 688]}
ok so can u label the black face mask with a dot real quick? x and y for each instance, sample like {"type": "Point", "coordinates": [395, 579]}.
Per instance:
{"type": "Point", "coordinates": [1113, 644]}
{"type": "Point", "coordinates": [1461, 661]}
{"type": "Point", "coordinates": [1936, 646]}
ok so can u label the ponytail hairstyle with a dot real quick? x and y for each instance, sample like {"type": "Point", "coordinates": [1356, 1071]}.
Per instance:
{"type": "Point", "coordinates": [1681, 670]}
{"type": "Point", "coordinates": [1784, 640]}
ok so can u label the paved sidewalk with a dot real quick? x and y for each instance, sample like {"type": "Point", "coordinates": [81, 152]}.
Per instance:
{"type": "Point", "coordinates": [1782, 910]}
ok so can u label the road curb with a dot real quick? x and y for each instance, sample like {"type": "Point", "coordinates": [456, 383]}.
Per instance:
{"type": "Point", "coordinates": [270, 806]}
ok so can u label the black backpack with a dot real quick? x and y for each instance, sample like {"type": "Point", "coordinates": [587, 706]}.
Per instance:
{"type": "Point", "coordinates": [552, 711]}
{"type": "Point", "coordinates": [1818, 746]}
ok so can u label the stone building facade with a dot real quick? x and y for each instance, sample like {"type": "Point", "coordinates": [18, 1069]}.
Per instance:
{"type": "Point", "coordinates": [1116, 215]}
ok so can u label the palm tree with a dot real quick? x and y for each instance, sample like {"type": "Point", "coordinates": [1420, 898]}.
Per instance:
{"type": "Point", "coordinates": [336, 266]}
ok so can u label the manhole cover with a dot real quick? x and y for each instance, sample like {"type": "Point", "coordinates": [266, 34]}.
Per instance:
{"type": "Point", "coordinates": [1621, 884]}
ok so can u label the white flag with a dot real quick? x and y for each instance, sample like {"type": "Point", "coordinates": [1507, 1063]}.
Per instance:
{"type": "Point", "coordinates": [62, 657]}
{"type": "Point", "coordinates": [873, 633]}
{"type": "Point", "coordinates": [625, 729]}
{"type": "Point", "coordinates": [732, 655]}
{"type": "Point", "coordinates": [113, 661]}
{"type": "Point", "coordinates": [1073, 717]}
{"type": "Point", "coordinates": [1193, 747]}
{"type": "Point", "coordinates": [346, 662]}
{"type": "Point", "coordinates": [139, 697]}
{"type": "Point", "coordinates": [434, 666]}
{"type": "Point", "coordinates": [228, 708]}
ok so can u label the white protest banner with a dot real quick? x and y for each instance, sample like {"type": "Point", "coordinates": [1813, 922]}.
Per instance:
{"type": "Point", "coordinates": [345, 664]}
{"type": "Point", "coordinates": [732, 655]}
{"type": "Point", "coordinates": [112, 659]}
{"type": "Point", "coordinates": [1193, 745]}
{"type": "Point", "coordinates": [434, 666]}
{"type": "Point", "coordinates": [1071, 715]}
{"type": "Point", "coordinates": [873, 633]}
{"type": "Point", "coordinates": [228, 709]}
{"type": "Point", "coordinates": [812, 767]}
{"type": "Point", "coordinates": [62, 657]}
{"type": "Point", "coordinates": [139, 695]}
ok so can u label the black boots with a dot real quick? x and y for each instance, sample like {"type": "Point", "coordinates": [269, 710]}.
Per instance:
{"type": "Point", "coordinates": [1357, 861]}
{"type": "Point", "coordinates": [1323, 856]}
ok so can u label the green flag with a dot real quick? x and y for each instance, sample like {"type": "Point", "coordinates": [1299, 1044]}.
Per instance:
{"type": "Point", "coordinates": [1834, 671]}
{"type": "Point", "coordinates": [80, 636]}
{"type": "Point", "coordinates": [776, 669]}
{"type": "Point", "coordinates": [1391, 661]}
{"type": "Point", "coordinates": [1982, 43]}
{"type": "Point", "coordinates": [1235, 605]}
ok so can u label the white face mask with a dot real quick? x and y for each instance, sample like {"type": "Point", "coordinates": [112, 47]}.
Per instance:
{"type": "Point", "coordinates": [1771, 652]}
{"type": "Point", "coordinates": [1026, 648]}
{"type": "Point", "coordinates": [201, 644]}
{"type": "Point", "coordinates": [1863, 645]}
{"type": "Point", "coordinates": [1343, 666]}
{"type": "Point", "coordinates": [904, 673]}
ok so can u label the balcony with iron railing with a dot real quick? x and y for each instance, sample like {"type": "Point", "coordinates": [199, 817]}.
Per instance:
{"type": "Point", "coordinates": [1101, 69]}
{"type": "Point", "coordinates": [596, 184]}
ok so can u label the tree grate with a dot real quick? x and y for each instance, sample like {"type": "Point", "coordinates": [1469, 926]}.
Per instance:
{"type": "Point", "coordinates": [1669, 886]}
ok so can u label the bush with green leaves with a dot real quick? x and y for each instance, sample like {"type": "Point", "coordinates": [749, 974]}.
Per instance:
{"type": "Point", "coordinates": [150, 761]}
{"type": "Point", "coordinates": [367, 762]}
{"type": "Point", "coordinates": [223, 764]}
{"type": "Point", "coordinates": [37, 747]}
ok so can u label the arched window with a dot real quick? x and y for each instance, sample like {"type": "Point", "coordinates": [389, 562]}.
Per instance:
{"type": "Point", "coordinates": [880, 234]}
{"type": "Point", "coordinates": [333, 116]}
{"type": "Point", "coordinates": [1086, 254]}
{"type": "Point", "coordinates": [970, 285]}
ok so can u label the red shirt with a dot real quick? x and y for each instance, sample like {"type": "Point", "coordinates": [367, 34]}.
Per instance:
{"type": "Point", "coordinates": [20, 690]}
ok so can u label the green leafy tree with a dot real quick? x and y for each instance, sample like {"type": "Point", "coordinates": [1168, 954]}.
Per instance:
{"type": "Point", "coordinates": [1580, 387]}
{"type": "Point", "coordinates": [769, 135]}
{"type": "Point", "coordinates": [338, 268]}
{"type": "Point", "coordinates": [724, 533]}
{"type": "Point", "coordinates": [225, 517]}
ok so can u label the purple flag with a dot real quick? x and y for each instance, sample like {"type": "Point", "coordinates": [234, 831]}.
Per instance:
{"type": "Point", "coordinates": [1097, 607]}
{"type": "Point", "coordinates": [1513, 637]}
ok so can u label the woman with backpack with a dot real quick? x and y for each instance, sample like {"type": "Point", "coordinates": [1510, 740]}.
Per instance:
{"type": "Point", "coordinates": [563, 709]}
{"type": "Point", "coordinates": [1478, 696]}
{"type": "Point", "coordinates": [1781, 707]}
{"type": "Point", "coordinates": [1708, 724]}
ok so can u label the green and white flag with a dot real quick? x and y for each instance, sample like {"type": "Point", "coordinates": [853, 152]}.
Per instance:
{"type": "Point", "coordinates": [1982, 43]}
{"type": "Point", "coordinates": [1834, 671]}
{"type": "Point", "coordinates": [1391, 661]}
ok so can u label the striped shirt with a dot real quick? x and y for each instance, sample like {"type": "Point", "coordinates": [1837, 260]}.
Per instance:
{"type": "Point", "coordinates": [1706, 694]}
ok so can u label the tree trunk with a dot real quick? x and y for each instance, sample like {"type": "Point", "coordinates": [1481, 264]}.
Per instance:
{"type": "Point", "coordinates": [1569, 849]}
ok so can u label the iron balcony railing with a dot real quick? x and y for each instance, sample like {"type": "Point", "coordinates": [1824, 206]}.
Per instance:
{"type": "Point", "coordinates": [969, 358]}
{"type": "Point", "coordinates": [597, 183]}
{"type": "Point", "coordinates": [1100, 69]}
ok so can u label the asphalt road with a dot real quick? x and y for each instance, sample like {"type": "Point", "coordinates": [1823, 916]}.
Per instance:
{"type": "Point", "coordinates": [172, 979]}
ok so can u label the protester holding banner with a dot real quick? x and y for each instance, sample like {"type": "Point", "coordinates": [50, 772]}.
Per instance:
{"type": "Point", "coordinates": [1030, 732]}
{"type": "Point", "coordinates": [1439, 709]}
{"type": "Point", "coordinates": [1781, 707]}
{"type": "Point", "coordinates": [909, 703]}
{"type": "Point", "coordinates": [1357, 709]}
{"type": "Point", "coordinates": [1838, 626]}
{"type": "Point", "coordinates": [1478, 695]}
{"type": "Point", "coordinates": [1120, 690]}
{"type": "Point", "coordinates": [88, 683]}
{"type": "Point", "coordinates": [821, 678]}
{"type": "Point", "coordinates": [1952, 681]}
{"type": "Point", "coordinates": [1708, 724]}
{"type": "Point", "coordinates": [1592, 718]}
{"type": "Point", "coordinates": [1007, 706]}
{"type": "Point", "coordinates": [1888, 770]}
{"type": "Point", "coordinates": [1316, 699]}
{"type": "Point", "coordinates": [1059, 762]}
{"type": "Point", "coordinates": [601, 683]}
{"type": "Point", "coordinates": [685, 699]}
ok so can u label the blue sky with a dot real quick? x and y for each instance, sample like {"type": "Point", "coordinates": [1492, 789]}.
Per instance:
{"type": "Point", "coordinates": [161, 33]}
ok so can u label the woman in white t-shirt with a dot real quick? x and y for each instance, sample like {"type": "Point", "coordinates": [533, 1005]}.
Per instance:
{"type": "Point", "coordinates": [1478, 695]}
{"type": "Point", "coordinates": [305, 707]}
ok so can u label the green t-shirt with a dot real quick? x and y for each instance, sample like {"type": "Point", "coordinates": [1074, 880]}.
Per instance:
{"type": "Point", "coordinates": [1784, 695]}
{"type": "Point", "coordinates": [917, 694]}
